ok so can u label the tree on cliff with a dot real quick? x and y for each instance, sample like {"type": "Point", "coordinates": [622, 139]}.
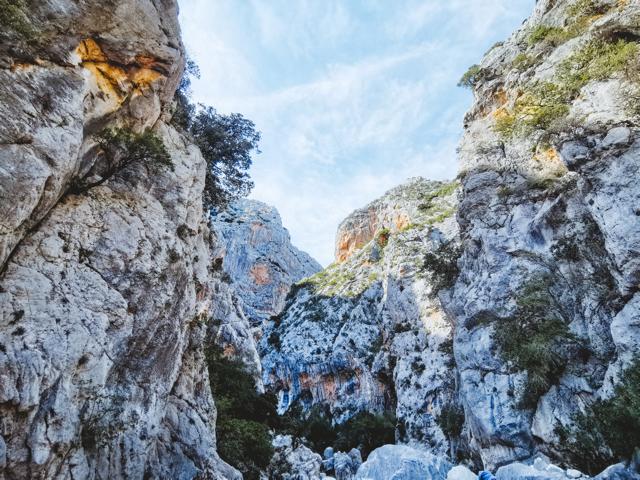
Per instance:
{"type": "Point", "coordinates": [226, 143]}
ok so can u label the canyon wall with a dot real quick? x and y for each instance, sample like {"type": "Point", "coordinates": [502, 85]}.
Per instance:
{"type": "Point", "coordinates": [105, 288]}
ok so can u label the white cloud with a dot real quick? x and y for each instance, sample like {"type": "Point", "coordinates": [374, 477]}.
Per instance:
{"type": "Point", "coordinates": [351, 97]}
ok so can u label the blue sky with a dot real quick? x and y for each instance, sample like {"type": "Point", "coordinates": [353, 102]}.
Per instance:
{"type": "Point", "coordinates": [352, 96]}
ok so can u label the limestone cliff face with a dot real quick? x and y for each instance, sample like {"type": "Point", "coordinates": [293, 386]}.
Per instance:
{"type": "Point", "coordinates": [104, 280]}
{"type": "Point", "coordinates": [368, 332]}
{"type": "Point", "coordinates": [258, 256]}
{"type": "Point", "coordinates": [550, 161]}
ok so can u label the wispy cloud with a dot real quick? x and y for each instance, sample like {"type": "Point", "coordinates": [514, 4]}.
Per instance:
{"type": "Point", "coordinates": [352, 97]}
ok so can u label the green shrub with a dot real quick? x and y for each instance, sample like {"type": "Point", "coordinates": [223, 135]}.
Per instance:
{"type": "Point", "coordinates": [543, 104]}
{"type": "Point", "coordinates": [610, 429]}
{"type": "Point", "coordinates": [382, 237]}
{"type": "Point", "coordinates": [443, 265]}
{"type": "Point", "coordinates": [366, 432]}
{"type": "Point", "coordinates": [597, 60]}
{"type": "Point", "coordinates": [586, 8]}
{"type": "Point", "coordinates": [552, 35]}
{"type": "Point", "coordinates": [244, 444]}
{"type": "Point", "coordinates": [14, 19]}
{"type": "Point", "coordinates": [472, 76]}
{"type": "Point", "coordinates": [536, 340]}
{"type": "Point", "coordinates": [244, 416]}
{"type": "Point", "coordinates": [122, 147]}
{"type": "Point", "coordinates": [451, 420]}
{"type": "Point", "coordinates": [523, 62]}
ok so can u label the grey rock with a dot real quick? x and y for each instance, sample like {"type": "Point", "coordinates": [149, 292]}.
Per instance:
{"type": "Point", "coordinates": [293, 463]}
{"type": "Point", "coordinates": [361, 332]}
{"type": "Point", "coordinates": [399, 462]}
{"type": "Point", "coordinates": [572, 473]}
{"type": "Point", "coordinates": [619, 471]}
{"type": "Point", "coordinates": [103, 305]}
{"type": "Point", "coordinates": [344, 468]}
{"type": "Point", "coordinates": [617, 136]}
{"type": "Point", "coordinates": [460, 472]}
{"type": "Point", "coordinates": [259, 258]}
{"type": "Point", "coordinates": [356, 458]}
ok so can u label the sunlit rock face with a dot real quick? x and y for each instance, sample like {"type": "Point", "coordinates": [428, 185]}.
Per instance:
{"type": "Point", "coordinates": [258, 256]}
{"type": "Point", "coordinates": [105, 288]}
{"type": "Point", "coordinates": [368, 332]}
{"type": "Point", "coordinates": [549, 192]}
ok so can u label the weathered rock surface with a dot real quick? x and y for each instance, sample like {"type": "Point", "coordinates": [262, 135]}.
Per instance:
{"type": "Point", "coordinates": [104, 282]}
{"type": "Point", "coordinates": [293, 463]}
{"type": "Point", "coordinates": [556, 200]}
{"type": "Point", "coordinates": [399, 462]}
{"type": "Point", "coordinates": [259, 258]}
{"type": "Point", "coordinates": [369, 333]}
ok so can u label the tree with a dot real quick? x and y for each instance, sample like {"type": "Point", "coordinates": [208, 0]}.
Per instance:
{"type": "Point", "coordinates": [226, 143]}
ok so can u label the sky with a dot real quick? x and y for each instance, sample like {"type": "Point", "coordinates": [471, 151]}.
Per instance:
{"type": "Point", "coordinates": [352, 97]}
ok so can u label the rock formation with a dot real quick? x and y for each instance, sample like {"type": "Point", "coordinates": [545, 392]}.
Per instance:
{"type": "Point", "coordinates": [485, 313]}
{"type": "Point", "coordinates": [488, 325]}
{"type": "Point", "coordinates": [368, 332]}
{"type": "Point", "coordinates": [104, 283]}
{"type": "Point", "coordinates": [259, 258]}
{"type": "Point", "coordinates": [549, 223]}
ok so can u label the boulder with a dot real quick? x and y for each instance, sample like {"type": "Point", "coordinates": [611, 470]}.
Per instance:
{"type": "Point", "coordinates": [400, 462]}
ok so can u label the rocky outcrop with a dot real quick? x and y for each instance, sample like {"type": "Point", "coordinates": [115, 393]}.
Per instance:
{"type": "Point", "coordinates": [291, 462]}
{"type": "Point", "coordinates": [402, 463]}
{"type": "Point", "coordinates": [548, 220]}
{"type": "Point", "coordinates": [369, 333]}
{"type": "Point", "coordinates": [104, 287]}
{"type": "Point", "coordinates": [259, 258]}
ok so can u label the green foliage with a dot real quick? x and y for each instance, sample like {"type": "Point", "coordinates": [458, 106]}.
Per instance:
{"type": "Point", "coordinates": [472, 76]}
{"type": "Point", "coordinates": [585, 9]}
{"type": "Point", "coordinates": [14, 19]}
{"type": "Point", "coordinates": [451, 420]}
{"type": "Point", "coordinates": [597, 60]}
{"type": "Point", "coordinates": [244, 416]}
{"type": "Point", "coordinates": [382, 237]}
{"type": "Point", "coordinates": [365, 431]}
{"type": "Point", "coordinates": [552, 35]}
{"type": "Point", "coordinates": [543, 104]}
{"type": "Point", "coordinates": [610, 430]}
{"type": "Point", "coordinates": [245, 445]}
{"type": "Point", "coordinates": [523, 62]}
{"type": "Point", "coordinates": [535, 339]}
{"type": "Point", "coordinates": [122, 147]}
{"type": "Point", "coordinates": [226, 142]}
{"type": "Point", "coordinates": [184, 111]}
{"type": "Point", "coordinates": [443, 265]}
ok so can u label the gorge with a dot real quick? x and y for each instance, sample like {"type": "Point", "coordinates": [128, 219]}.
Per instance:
{"type": "Point", "coordinates": [487, 322]}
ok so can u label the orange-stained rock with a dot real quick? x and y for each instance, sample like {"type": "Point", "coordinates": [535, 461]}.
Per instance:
{"type": "Point", "coordinates": [260, 274]}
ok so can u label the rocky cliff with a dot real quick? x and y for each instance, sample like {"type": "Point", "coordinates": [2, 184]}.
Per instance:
{"type": "Point", "coordinates": [368, 332]}
{"type": "Point", "coordinates": [104, 283]}
{"type": "Point", "coordinates": [546, 305]}
{"type": "Point", "coordinates": [259, 258]}
{"type": "Point", "coordinates": [489, 324]}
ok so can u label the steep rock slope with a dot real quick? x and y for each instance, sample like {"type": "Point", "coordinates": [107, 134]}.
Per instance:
{"type": "Point", "coordinates": [258, 256]}
{"type": "Point", "coordinates": [104, 285]}
{"type": "Point", "coordinates": [368, 333]}
{"type": "Point", "coordinates": [549, 222]}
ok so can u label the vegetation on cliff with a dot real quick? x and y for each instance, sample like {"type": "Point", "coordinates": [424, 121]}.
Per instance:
{"type": "Point", "coordinates": [609, 430]}
{"type": "Point", "coordinates": [227, 143]}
